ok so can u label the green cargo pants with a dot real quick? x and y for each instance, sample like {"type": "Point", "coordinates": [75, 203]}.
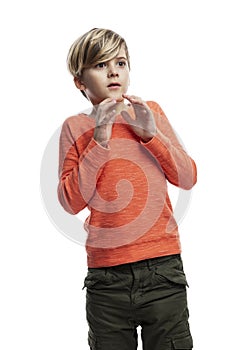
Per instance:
{"type": "Point", "coordinates": [150, 294]}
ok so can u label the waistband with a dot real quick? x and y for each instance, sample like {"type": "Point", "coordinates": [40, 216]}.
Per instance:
{"type": "Point", "coordinates": [139, 264]}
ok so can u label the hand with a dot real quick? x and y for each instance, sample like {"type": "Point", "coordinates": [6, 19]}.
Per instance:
{"type": "Point", "coordinates": [143, 124]}
{"type": "Point", "coordinates": [104, 114]}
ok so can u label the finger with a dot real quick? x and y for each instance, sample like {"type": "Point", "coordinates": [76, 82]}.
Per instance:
{"type": "Point", "coordinates": [134, 99]}
{"type": "Point", "coordinates": [121, 99]}
{"type": "Point", "coordinates": [128, 118]}
{"type": "Point", "coordinates": [107, 107]}
{"type": "Point", "coordinates": [107, 100]}
{"type": "Point", "coordinates": [104, 105]}
{"type": "Point", "coordinates": [137, 101]}
{"type": "Point", "coordinates": [107, 115]}
{"type": "Point", "coordinates": [140, 110]}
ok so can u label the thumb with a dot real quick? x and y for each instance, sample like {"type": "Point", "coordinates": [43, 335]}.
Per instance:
{"type": "Point", "coordinates": [127, 117]}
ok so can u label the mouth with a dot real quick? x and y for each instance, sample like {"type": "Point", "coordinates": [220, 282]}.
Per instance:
{"type": "Point", "coordinates": [114, 85]}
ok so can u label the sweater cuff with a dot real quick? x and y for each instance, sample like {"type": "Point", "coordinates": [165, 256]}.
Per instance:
{"type": "Point", "coordinates": [95, 155]}
{"type": "Point", "coordinates": [158, 145]}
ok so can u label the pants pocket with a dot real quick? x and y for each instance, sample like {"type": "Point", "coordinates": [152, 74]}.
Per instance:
{"type": "Point", "coordinates": [92, 341]}
{"type": "Point", "coordinates": [172, 271]}
{"type": "Point", "coordinates": [185, 343]}
{"type": "Point", "coordinates": [97, 278]}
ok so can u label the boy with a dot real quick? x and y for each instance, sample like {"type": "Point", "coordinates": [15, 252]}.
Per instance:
{"type": "Point", "coordinates": [116, 161]}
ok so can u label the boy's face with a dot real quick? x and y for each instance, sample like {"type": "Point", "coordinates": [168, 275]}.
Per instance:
{"type": "Point", "coordinates": [109, 79]}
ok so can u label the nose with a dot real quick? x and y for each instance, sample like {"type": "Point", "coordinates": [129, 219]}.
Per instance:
{"type": "Point", "coordinates": [112, 72]}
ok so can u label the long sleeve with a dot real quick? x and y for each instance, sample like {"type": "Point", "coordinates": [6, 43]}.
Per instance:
{"type": "Point", "coordinates": [124, 187]}
{"type": "Point", "coordinates": [178, 167]}
{"type": "Point", "coordinates": [78, 172]}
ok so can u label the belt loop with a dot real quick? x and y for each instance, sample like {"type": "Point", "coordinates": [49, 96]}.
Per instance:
{"type": "Point", "coordinates": [149, 264]}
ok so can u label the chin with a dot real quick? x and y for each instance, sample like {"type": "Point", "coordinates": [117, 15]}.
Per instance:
{"type": "Point", "coordinates": [120, 99]}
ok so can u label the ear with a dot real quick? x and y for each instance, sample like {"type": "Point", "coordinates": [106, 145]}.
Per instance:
{"type": "Point", "coordinates": [79, 84]}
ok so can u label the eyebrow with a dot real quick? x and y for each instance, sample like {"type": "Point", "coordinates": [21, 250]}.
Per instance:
{"type": "Point", "coordinates": [121, 57]}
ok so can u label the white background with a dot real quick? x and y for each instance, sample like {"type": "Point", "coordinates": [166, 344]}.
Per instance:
{"type": "Point", "coordinates": [181, 57]}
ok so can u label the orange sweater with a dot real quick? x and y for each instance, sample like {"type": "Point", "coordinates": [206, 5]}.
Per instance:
{"type": "Point", "coordinates": [124, 187]}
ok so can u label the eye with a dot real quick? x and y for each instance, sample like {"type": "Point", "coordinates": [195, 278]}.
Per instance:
{"type": "Point", "coordinates": [101, 65]}
{"type": "Point", "coordinates": [121, 63]}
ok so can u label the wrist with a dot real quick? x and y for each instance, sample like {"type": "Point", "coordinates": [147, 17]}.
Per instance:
{"type": "Point", "coordinates": [148, 138]}
{"type": "Point", "coordinates": [102, 135]}
{"type": "Point", "coordinates": [102, 143]}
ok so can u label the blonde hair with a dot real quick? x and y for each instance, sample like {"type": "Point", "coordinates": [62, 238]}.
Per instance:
{"type": "Point", "coordinates": [94, 47]}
